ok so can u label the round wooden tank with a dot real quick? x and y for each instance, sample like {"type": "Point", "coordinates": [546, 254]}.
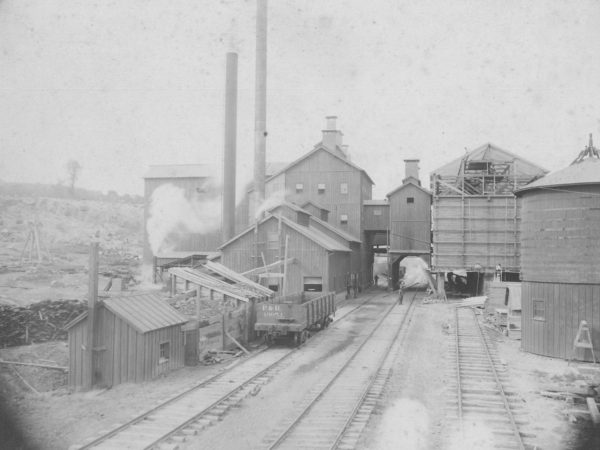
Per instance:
{"type": "Point", "coordinates": [560, 260]}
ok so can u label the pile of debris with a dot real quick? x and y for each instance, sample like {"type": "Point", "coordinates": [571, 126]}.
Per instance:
{"type": "Point", "coordinates": [218, 356]}
{"type": "Point", "coordinates": [38, 322]}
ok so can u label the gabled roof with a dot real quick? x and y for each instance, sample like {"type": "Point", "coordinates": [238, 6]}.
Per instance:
{"type": "Point", "coordinates": [181, 171]}
{"type": "Point", "coordinates": [491, 152]}
{"type": "Point", "coordinates": [311, 233]}
{"type": "Point", "coordinates": [346, 236]}
{"type": "Point", "coordinates": [311, 202]}
{"type": "Point", "coordinates": [408, 183]}
{"type": "Point", "coordinates": [317, 236]}
{"type": "Point", "coordinates": [320, 147]}
{"type": "Point", "coordinates": [584, 172]}
{"type": "Point", "coordinates": [144, 312]}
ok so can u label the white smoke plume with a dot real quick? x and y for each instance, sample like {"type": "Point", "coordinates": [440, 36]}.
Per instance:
{"type": "Point", "coordinates": [275, 199]}
{"type": "Point", "coordinates": [172, 214]}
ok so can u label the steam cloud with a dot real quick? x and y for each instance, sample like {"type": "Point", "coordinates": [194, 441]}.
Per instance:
{"type": "Point", "coordinates": [275, 199]}
{"type": "Point", "coordinates": [172, 214]}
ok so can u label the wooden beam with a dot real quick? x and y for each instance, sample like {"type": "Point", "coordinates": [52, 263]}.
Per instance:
{"type": "Point", "coordinates": [45, 366]}
{"type": "Point", "coordinates": [236, 342]}
{"type": "Point", "coordinates": [91, 319]}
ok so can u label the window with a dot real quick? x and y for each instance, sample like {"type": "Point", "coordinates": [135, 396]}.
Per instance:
{"type": "Point", "coordinates": [321, 188]}
{"type": "Point", "coordinates": [344, 188]}
{"type": "Point", "coordinates": [539, 309]}
{"type": "Point", "coordinates": [164, 353]}
{"type": "Point", "coordinates": [299, 187]}
{"type": "Point", "coordinates": [344, 218]}
{"type": "Point", "coordinates": [313, 284]}
{"type": "Point", "coordinates": [376, 212]}
{"type": "Point", "coordinates": [410, 199]}
{"type": "Point", "coordinates": [272, 240]}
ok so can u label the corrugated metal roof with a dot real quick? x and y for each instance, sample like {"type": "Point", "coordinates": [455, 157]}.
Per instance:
{"type": "Point", "coordinates": [584, 172]}
{"type": "Point", "coordinates": [491, 152]}
{"type": "Point", "coordinates": [202, 279]}
{"type": "Point", "coordinates": [181, 171]}
{"type": "Point", "coordinates": [317, 236]}
{"type": "Point", "coordinates": [144, 312]}
{"type": "Point", "coordinates": [237, 278]}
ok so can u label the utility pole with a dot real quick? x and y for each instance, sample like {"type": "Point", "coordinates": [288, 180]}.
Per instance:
{"type": "Point", "coordinates": [91, 319]}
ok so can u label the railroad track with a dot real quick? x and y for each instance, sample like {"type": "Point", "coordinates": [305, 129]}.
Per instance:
{"type": "Point", "coordinates": [484, 413]}
{"type": "Point", "coordinates": [187, 413]}
{"type": "Point", "coordinates": [337, 409]}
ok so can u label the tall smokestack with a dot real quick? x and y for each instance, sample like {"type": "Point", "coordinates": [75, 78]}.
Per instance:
{"type": "Point", "coordinates": [229, 152]}
{"type": "Point", "coordinates": [260, 103]}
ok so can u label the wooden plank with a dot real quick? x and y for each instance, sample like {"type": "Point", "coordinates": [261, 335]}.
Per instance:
{"type": "Point", "coordinates": [593, 409]}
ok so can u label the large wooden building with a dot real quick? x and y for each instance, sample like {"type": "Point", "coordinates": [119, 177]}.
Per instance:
{"type": "Point", "coordinates": [560, 258]}
{"type": "Point", "coordinates": [475, 215]}
{"type": "Point", "coordinates": [318, 257]}
{"type": "Point", "coordinates": [328, 184]}
{"type": "Point", "coordinates": [194, 185]}
{"type": "Point", "coordinates": [138, 338]}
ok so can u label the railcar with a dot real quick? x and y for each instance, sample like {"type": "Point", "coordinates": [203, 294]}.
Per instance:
{"type": "Point", "coordinates": [294, 316]}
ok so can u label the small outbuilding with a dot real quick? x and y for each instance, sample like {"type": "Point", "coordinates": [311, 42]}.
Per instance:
{"type": "Point", "coordinates": [138, 338]}
{"type": "Point", "coordinates": [560, 258]}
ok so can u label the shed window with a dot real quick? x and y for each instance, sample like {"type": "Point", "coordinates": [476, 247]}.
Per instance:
{"type": "Point", "coordinates": [313, 284]}
{"type": "Point", "coordinates": [539, 310]}
{"type": "Point", "coordinates": [165, 351]}
{"type": "Point", "coordinates": [321, 188]}
{"type": "Point", "coordinates": [344, 218]}
{"type": "Point", "coordinates": [299, 187]}
{"type": "Point", "coordinates": [344, 188]}
{"type": "Point", "coordinates": [376, 212]}
{"type": "Point", "coordinates": [410, 199]}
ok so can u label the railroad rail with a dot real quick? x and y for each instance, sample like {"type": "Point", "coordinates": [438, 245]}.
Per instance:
{"type": "Point", "coordinates": [337, 409]}
{"type": "Point", "coordinates": [487, 413]}
{"type": "Point", "coordinates": [194, 409]}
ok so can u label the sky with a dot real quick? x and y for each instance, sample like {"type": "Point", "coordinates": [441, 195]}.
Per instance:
{"type": "Point", "coordinates": [119, 86]}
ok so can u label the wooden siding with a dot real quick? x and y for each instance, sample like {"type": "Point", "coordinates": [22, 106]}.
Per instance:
{"type": "Point", "coordinates": [476, 230]}
{"type": "Point", "coordinates": [410, 222]}
{"type": "Point", "coordinates": [323, 168]}
{"type": "Point", "coordinates": [121, 353]}
{"type": "Point", "coordinates": [312, 259]}
{"type": "Point", "coordinates": [181, 241]}
{"type": "Point", "coordinates": [565, 306]}
{"type": "Point", "coordinates": [374, 222]}
{"type": "Point", "coordinates": [560, 235]}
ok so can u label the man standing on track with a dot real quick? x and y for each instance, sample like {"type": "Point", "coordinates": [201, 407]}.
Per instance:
{"type": "Point", "coordinates": [401, 292]}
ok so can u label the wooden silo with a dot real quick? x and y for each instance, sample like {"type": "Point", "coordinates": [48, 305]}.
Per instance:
{"type": "Point", "coordinates": [475, 215]}
{"type": "Point", "coordinates": [560, 259]}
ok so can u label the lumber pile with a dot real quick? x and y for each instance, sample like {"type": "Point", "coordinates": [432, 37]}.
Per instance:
{"type": "Point", "coordinates": [38, 322]}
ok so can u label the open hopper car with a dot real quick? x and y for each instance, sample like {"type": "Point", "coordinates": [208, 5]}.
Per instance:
{"type": "Point", "coordinates": [294, 316]}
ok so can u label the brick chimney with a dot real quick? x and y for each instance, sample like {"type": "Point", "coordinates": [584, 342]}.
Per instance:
{"type": "Point", "coordinates": [411, 170]}
{"type": "Point", "coordinates": [332, 137]}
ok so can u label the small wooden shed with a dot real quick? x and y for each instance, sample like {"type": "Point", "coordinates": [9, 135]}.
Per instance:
{"type": "Point", "coordinates": [138, 338]}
